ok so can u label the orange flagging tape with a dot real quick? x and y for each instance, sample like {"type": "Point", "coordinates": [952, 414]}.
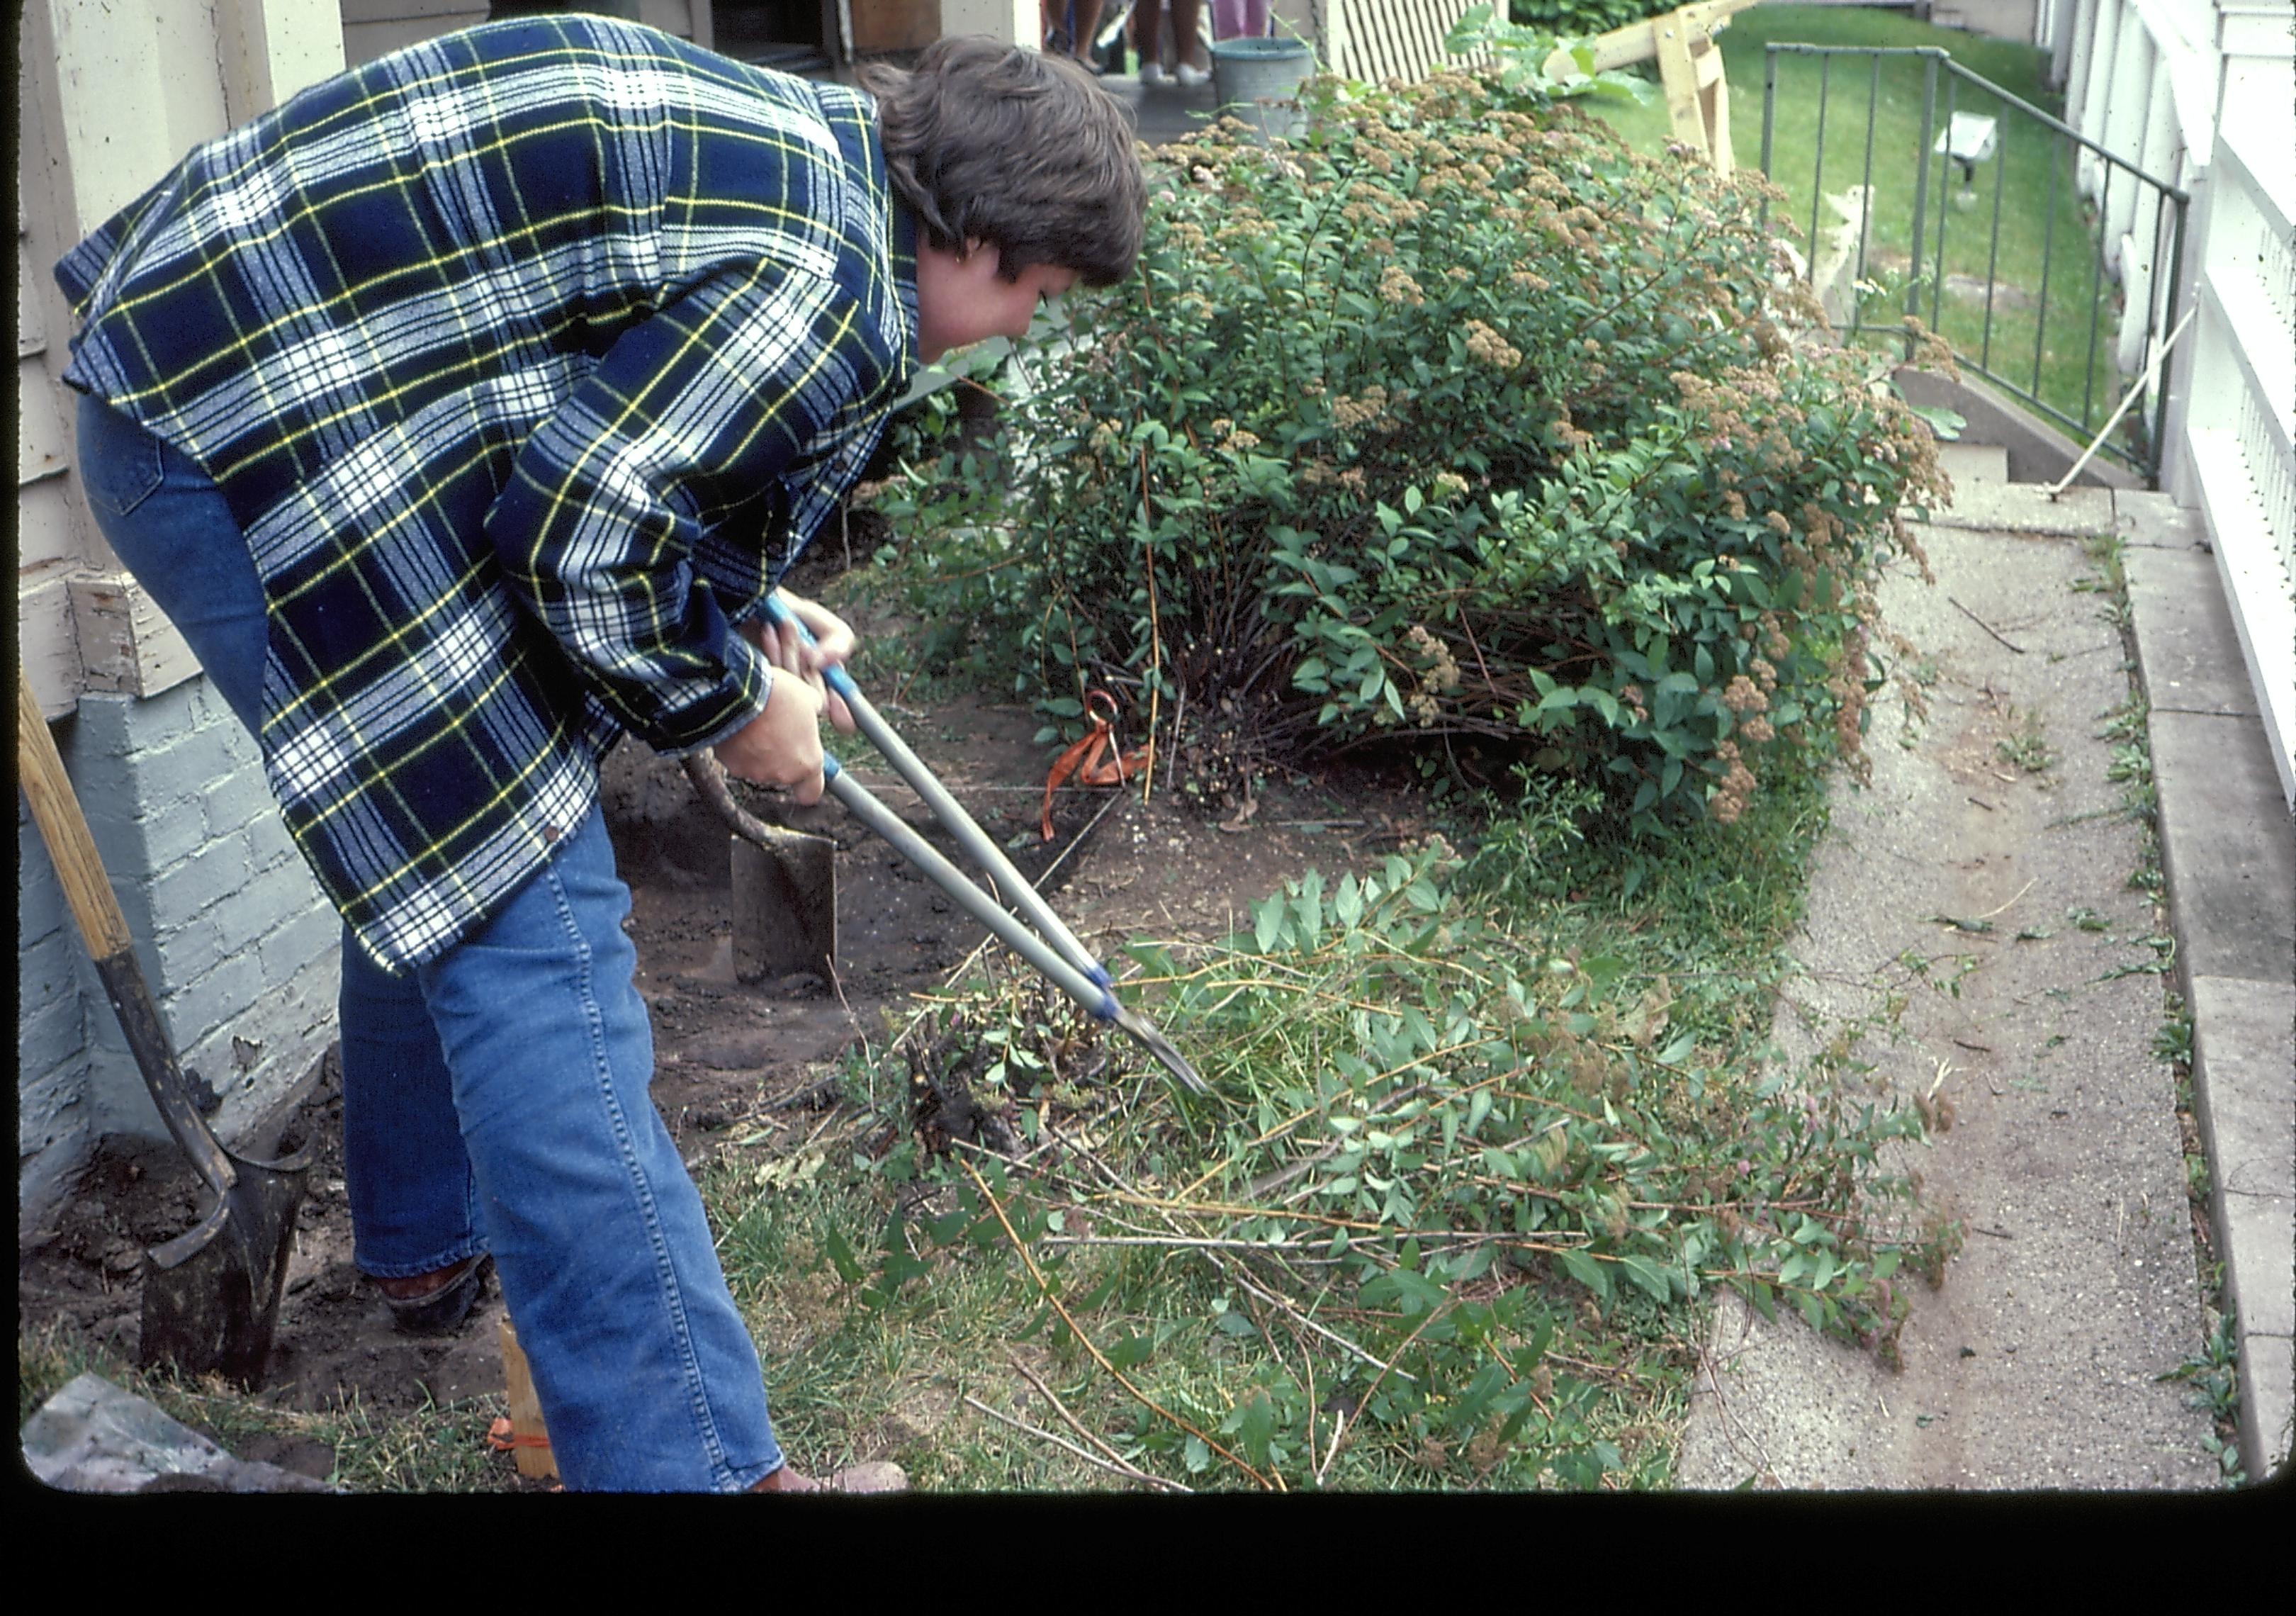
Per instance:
{"type": "Point", "coordinates": [501, 1439]}
{"type": "Point", "coordinates": [1093, 761]}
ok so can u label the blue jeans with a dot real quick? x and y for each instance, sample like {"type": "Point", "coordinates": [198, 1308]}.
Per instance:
{"type": "Point", "coordinates": [496, 1098]}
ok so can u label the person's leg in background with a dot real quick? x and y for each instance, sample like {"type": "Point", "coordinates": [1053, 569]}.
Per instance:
{"type": "Point", "coordinates": [1086, 16]}
{"type": "Point", "coordinates": [1240, 18]}
{"type": "Point", "coordinates": [1187, 16]}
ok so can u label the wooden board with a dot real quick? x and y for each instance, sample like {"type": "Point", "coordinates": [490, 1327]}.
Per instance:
{"type": "Point", "coordinates": [125, 642]}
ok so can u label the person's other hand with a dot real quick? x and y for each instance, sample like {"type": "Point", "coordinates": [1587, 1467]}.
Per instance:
{"type": "Point", "coordinates": [833, 644]}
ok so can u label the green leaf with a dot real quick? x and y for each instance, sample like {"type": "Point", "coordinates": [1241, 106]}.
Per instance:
{"type": "Point", "coordinates": [1412, 1294]}
{"type": "Point", "coordinates": [1267, 924]}
{"type": "Point", "coordinates": [1585, 1270]}
{"type": "Point", "coordinates": [840, 1256]}
{"type": "Point", "coordinates": [1256, 1430]}
{"type": "Point", "coordinates": [1195, 1455]}
{"type": "Point", "coordinates": [1649, 1277]}
{"type": "Point", "coordinates": [1131, 1351]}
{"type": "Point", "coordinates": [1945, 424]}
{"type": "Point", "coordinates": [1477, 1108]}
{"type": "Point", "coordinates": [1602, 969]}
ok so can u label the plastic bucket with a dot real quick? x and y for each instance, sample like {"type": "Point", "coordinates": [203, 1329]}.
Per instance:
{"type": "Point", "coordinates": [1258, 80]}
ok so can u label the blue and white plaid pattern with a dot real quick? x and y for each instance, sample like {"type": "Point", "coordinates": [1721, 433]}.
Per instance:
{"type": "Point", "coordinates": [528, 359]}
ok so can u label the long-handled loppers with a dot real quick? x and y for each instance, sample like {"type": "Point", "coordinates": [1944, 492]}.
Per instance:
{"type": "Point", "coordinates": [1051, 947]}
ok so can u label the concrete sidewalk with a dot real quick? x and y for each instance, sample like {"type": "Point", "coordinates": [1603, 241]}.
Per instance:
{"type": "Point", "coordinates": [1972, 923]}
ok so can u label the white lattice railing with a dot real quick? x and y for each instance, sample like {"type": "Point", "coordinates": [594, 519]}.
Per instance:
{"type": "Point", "coordinates": [2243, 411]}
{"type": "Point", "coordinates": [1377, 40]}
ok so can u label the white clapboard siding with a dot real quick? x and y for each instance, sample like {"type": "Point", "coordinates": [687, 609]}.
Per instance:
{"type": "Point", "coordinates": [2242, 431]}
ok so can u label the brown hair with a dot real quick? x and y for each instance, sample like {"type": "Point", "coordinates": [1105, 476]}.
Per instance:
{"type": "Point", "coordinates": [993, 143]}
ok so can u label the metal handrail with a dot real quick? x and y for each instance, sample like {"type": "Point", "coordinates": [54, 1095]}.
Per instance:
{"type": "Point", "coordinates": [1927, 259]}
{"type": "Point", "coordinates": [1784, 48]}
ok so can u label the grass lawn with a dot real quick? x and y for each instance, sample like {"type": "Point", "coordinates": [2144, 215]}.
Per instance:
{"type": "Point", "coordinates": [2038, 334]}
{"type": "Point", "coordinates": [1560, 1045]}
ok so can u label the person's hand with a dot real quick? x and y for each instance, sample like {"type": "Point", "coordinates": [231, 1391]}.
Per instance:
{"type": "Point", "coordinates": [833, 644]}
{"type": "Point", "coordinates": [782, 745]}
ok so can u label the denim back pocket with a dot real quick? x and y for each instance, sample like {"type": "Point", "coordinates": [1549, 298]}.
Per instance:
{"type": "Point", "coordinates": [120, 464]}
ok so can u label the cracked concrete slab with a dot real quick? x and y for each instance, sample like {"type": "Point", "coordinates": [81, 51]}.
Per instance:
{"type": "Point", "coordinates": [2024, 507]}
{"type": "Point", "coordinates": [2247, 1111]}
{"type": "Point", "coordinates": [1972, 922]}
{"type": "Point", "coordinates": [2147, 520]}
{"type": "Point", "coordinates": [2229, 856]}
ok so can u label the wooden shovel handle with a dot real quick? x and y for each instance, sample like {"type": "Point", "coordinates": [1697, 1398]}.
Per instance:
{"type": "Point", "coordinates": [55, 809]}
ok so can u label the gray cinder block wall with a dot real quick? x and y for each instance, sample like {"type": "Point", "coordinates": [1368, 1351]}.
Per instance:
{"type": "Point", "coordinates": [241, 952]}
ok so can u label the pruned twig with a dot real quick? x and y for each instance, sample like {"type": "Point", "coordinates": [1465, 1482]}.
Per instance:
{"type": "Point", "coordinates": [1989, 628]}
{"type": "Point", "coordinates": [1118, 1468]}
{"type": "Point", "coordinates": [1044, 1289]}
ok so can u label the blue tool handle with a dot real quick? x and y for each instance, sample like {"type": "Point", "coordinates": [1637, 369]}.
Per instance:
{"type": "Point", "coordinates": [976, 843]}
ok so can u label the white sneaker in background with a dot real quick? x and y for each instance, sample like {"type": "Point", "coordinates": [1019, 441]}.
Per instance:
{"type": "Point", "coordinates": [1191, 77]}
{"type": "Point", "coordinates": [1152, 72]}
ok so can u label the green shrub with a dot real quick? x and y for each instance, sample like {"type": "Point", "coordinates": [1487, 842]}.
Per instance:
{"type": "Point", "coordinates": [1456, 425]}
{"type": "Point", "coordinates": [1574, 19]}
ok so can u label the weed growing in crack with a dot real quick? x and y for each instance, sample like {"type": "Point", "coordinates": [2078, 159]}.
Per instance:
{"type": "Point", "coordinates": [2172, 1044]}
{"type": "Point", "coordinates": [2213, 1373]}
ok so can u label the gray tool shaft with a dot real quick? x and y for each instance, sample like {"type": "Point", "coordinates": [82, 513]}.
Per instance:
{"type": "Point", "coordinates": [865, 807]}
{"type": "Point", "coordinates": [1051, 949]}
{"type": "Point", "coordinates": [977, 843]}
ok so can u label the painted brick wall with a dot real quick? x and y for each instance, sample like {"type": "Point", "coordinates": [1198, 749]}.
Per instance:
{"type": "Point", "coordinates": [54, 1126]}
{"type": "Point", "coordinates": [241, 950]}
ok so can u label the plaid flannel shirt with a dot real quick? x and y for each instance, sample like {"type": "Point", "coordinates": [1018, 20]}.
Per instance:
{"type": "Point", "coordinates": [528, 357]}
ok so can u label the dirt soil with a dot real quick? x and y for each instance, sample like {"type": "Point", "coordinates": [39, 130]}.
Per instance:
{"type": "Point", "coordinates": [730, 1053]}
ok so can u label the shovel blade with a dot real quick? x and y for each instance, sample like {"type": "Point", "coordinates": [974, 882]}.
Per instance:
{"type": "Point", "coordinates": [784, 907]}
{"type": "Point", "coordinates": [211, 1294]}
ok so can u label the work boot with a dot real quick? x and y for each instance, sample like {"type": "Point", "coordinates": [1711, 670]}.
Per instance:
{"type": "Point", "coordinates": [878, 1477]}
{"type": "Point", "coordinates": [434, 1303]}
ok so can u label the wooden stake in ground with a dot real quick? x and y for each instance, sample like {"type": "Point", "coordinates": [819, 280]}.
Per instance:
{"type": "Point", "coordinates": [529, 1443]}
